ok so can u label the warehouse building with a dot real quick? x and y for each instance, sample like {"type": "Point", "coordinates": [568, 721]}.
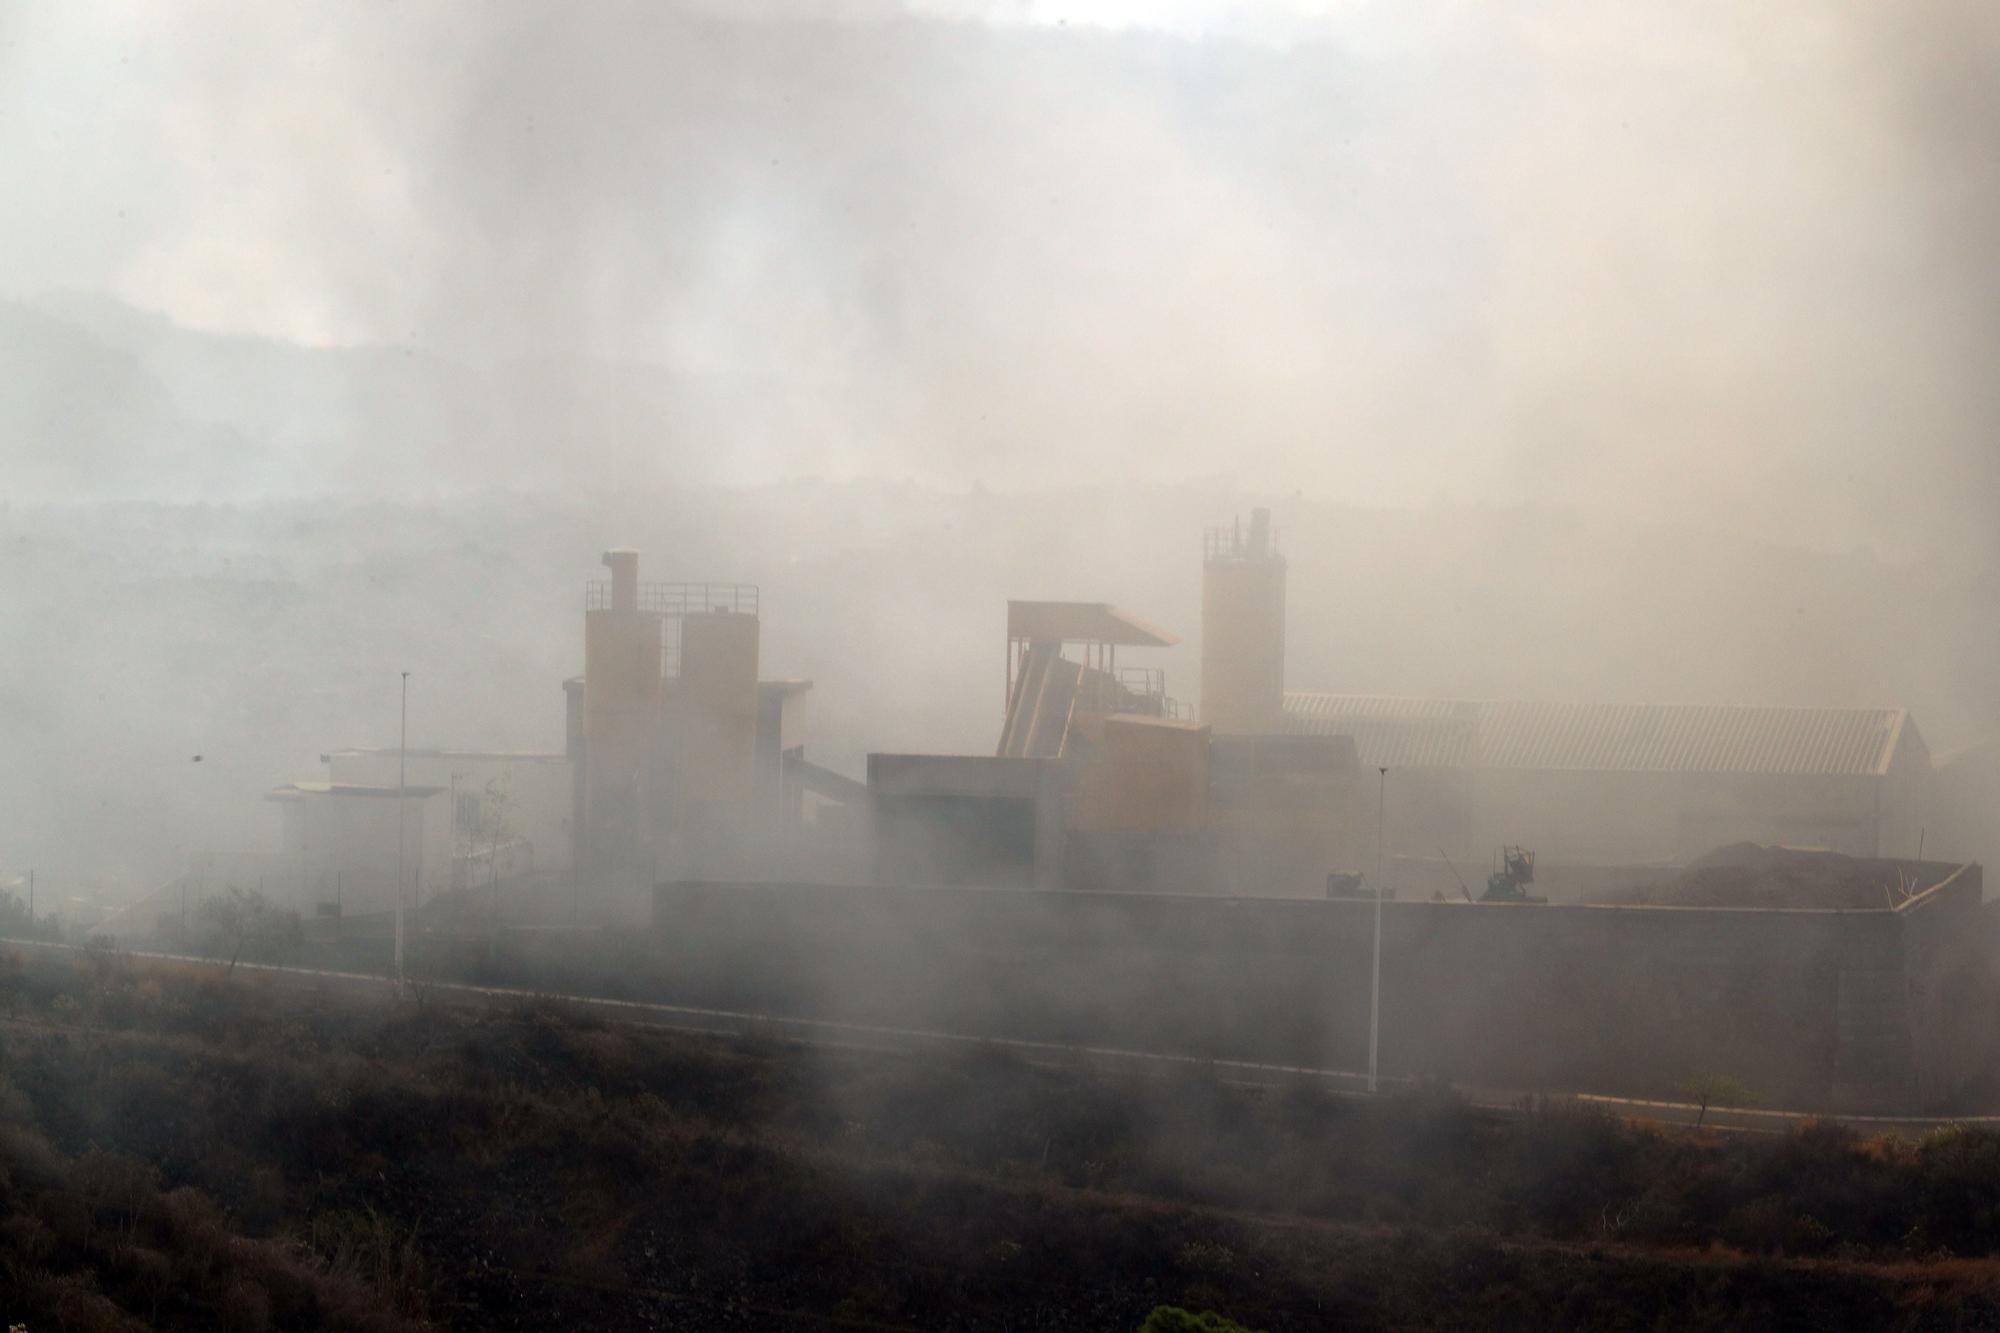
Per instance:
{"type": "Point", "coordinates": [1610, 784]}
{"type": "Point", "coordinates": [508, 810]}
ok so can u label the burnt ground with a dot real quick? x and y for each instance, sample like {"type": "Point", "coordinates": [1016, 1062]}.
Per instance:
{"type": "Point", "coordinates": [185, 1148]}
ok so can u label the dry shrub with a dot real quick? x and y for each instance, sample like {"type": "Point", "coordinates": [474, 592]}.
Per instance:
{"type": "Point", "coordinates": [369, 1249]}
{"type": "Point", "coordinates": [13, 981]}
{"type": "Point", "coordinates": [114, 1182]}
{"type": "Point", "coordinates": [30, 1159]}
{"type": "Point", "coordinates": [195, 1234]}
{"type": "Point", "coordinates": [263, 1204]}
{"type": "Point", "coordinates": [14, 1104]}
{"type": "Point", "coordinates": [147, 1271]}
{"type": "Point", "coordinates": [245, 1307]}
{"type": "Point", "coordinates": [27, 1237]}
{"type": "Point", "coordinates": [76, 1306]}
{"type": "Point", "coordinates": [222, 1170]}
{"type": "Point", "coordinates": [1774, 1225]}
{"type": "Point", "coordinates": [868, 1301]}
{"type": "Point", "coordinates": [67, 1218]}
{"type": "Point", "coordinates": [1205, 1256]}
{"type": "Point", "coordinates": [598, 1220]}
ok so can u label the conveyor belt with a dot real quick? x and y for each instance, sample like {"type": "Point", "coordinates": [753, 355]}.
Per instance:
{"type": "Point", "coordinates": [1044, 699]}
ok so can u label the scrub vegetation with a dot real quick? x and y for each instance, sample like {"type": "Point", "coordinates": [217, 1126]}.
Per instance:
{"type": "Point", "coordinates": [183, 1146]}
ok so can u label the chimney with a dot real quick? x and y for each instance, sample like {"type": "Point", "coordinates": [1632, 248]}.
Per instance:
{"type": "Point", "coordinates": [623, 562]}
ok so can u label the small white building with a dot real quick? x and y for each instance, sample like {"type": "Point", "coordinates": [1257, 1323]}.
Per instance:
{"type": "Point", "coordinates": [342, 843]}
{"type": "Point", "coordinates": [509, 810]}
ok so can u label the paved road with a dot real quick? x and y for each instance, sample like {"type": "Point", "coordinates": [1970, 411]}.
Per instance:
{"type": "Point", "coordinates": [865, 1036]}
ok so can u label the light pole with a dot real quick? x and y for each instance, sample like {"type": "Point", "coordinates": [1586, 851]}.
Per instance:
{"type": "Point", "coordinates": [1375, 973]}
{"type": "Point", "coordinates": [402, 774]}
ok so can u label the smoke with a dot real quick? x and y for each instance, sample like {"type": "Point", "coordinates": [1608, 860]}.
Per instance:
{"type": "Point", "coordinates": [1659, 327]}
{"type": "Point", "coordinates": [1713, 260]}
{"type": "Point", "coordinates": [1938, 66]}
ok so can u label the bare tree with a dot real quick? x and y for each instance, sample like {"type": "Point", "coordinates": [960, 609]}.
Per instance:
{"type": "Point", "coordinates": [245, 919]}
{"type": "Point", "coordinates": [1707, 1087]}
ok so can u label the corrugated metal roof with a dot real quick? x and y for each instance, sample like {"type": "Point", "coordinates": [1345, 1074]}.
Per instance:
{"type": "Point", "coordinates": [1653, 738]}
{"type": "Point", "coordinates": [1404, 742]}
{"type": "Point", "coordinates": [1376, 705]}
{"type": "Point", "coordinates": [389, 751]}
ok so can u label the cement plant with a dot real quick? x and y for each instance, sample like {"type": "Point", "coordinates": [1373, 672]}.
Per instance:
{"type": "Point", "coordinates": [956, 666]}
{"type": "Point", "coordinates": [1569, 897]}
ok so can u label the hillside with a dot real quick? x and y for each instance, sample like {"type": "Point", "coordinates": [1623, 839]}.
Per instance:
{"type": "Point", "coordinates": [183, 1148]}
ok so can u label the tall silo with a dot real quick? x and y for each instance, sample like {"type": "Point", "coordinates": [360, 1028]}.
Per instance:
{"type": "Point", "coordinates": [1242, 628]}
{"type": "Point", "coordinates": [716, 693]}
{"type": "Point", "coordinates": [620, 710]}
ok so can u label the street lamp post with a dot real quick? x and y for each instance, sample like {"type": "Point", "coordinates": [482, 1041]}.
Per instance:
{"type": "Point", "coordinates": [402, 776]}
{"type": "Point", "coordinates": [1375, 972]}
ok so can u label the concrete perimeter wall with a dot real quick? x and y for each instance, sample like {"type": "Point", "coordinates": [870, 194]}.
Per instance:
{"type": "Point", "coordinates": [1853, 1011]}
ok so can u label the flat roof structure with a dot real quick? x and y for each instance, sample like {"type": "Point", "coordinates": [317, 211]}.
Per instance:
{"type": "Point", "coordinates": [414, 752]}
{"type": "Point", "coordinates": [1083, 622]}
{"type": "Point", "coordinates": [295, 791]}
{"type": "Point", "coordinates": [1598, 737]}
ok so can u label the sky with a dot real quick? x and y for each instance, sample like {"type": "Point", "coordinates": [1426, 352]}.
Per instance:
{"type": "Point", "coordinates": [1655, 259]}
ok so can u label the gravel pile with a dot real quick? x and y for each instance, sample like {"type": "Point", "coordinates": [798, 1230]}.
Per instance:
{"type": "Point", "coordinates": [1744, 874]}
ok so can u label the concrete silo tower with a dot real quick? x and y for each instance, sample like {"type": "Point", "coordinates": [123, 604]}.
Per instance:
{"type": "Point", "coordinates": [620, 713]}
{"type": "Point", "coordinates": [1242, 628]}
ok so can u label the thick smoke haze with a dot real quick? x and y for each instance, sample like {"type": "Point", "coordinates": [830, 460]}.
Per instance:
{"type": "Point", "coordinates": [261, 636]}
{"type": "Point", "coordinates": [1602, 254]}
{"type": "Point", "coordinates": [1617, 351]}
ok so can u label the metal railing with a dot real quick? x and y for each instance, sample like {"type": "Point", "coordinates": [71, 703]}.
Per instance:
{"type": "Point", "coordinates": [672, 603]}
{"type": "Point", "coordinates": [678, 599]}
{"type": "Point", "coordinates": [1235, 542]}
{"type": "Point", "coordinates": [1141, 690]}
{"type": "Point", "coordinates": [1143, 682]}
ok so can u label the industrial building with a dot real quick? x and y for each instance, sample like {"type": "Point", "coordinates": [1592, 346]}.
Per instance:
{"type": "Point", "coordinates": [1122, 868]}
{"type": "Point", "coordinates": [681, 762]}
{"type": "Point", "coordinates": [1243, 628]}
{"type": "Point", "coordinates": [1585, 784]}
{"type": "Point", "coordinates": [675, 744]}
{"type": "Point", "coordinates": [343, 845]}
{"type": "Point", "coordinates": [675, 763]}
{"type": "Point", "coordinates": [1621, 784]}
{"type": "Point", "coordinates": [470, 818]}
{"type": "Point", "coordinates": [1099, 780]}
{"type": "Point", "coordinates": [1005, 818]}
{"type": "Point", "coordinates": [340, 849]}
{"type": "Point", "coordinates": [1962, 818]}
{"type": "Point", "coordinates": [1118, 871]}
{"type": "Point", "coordinates": [508, 810]}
